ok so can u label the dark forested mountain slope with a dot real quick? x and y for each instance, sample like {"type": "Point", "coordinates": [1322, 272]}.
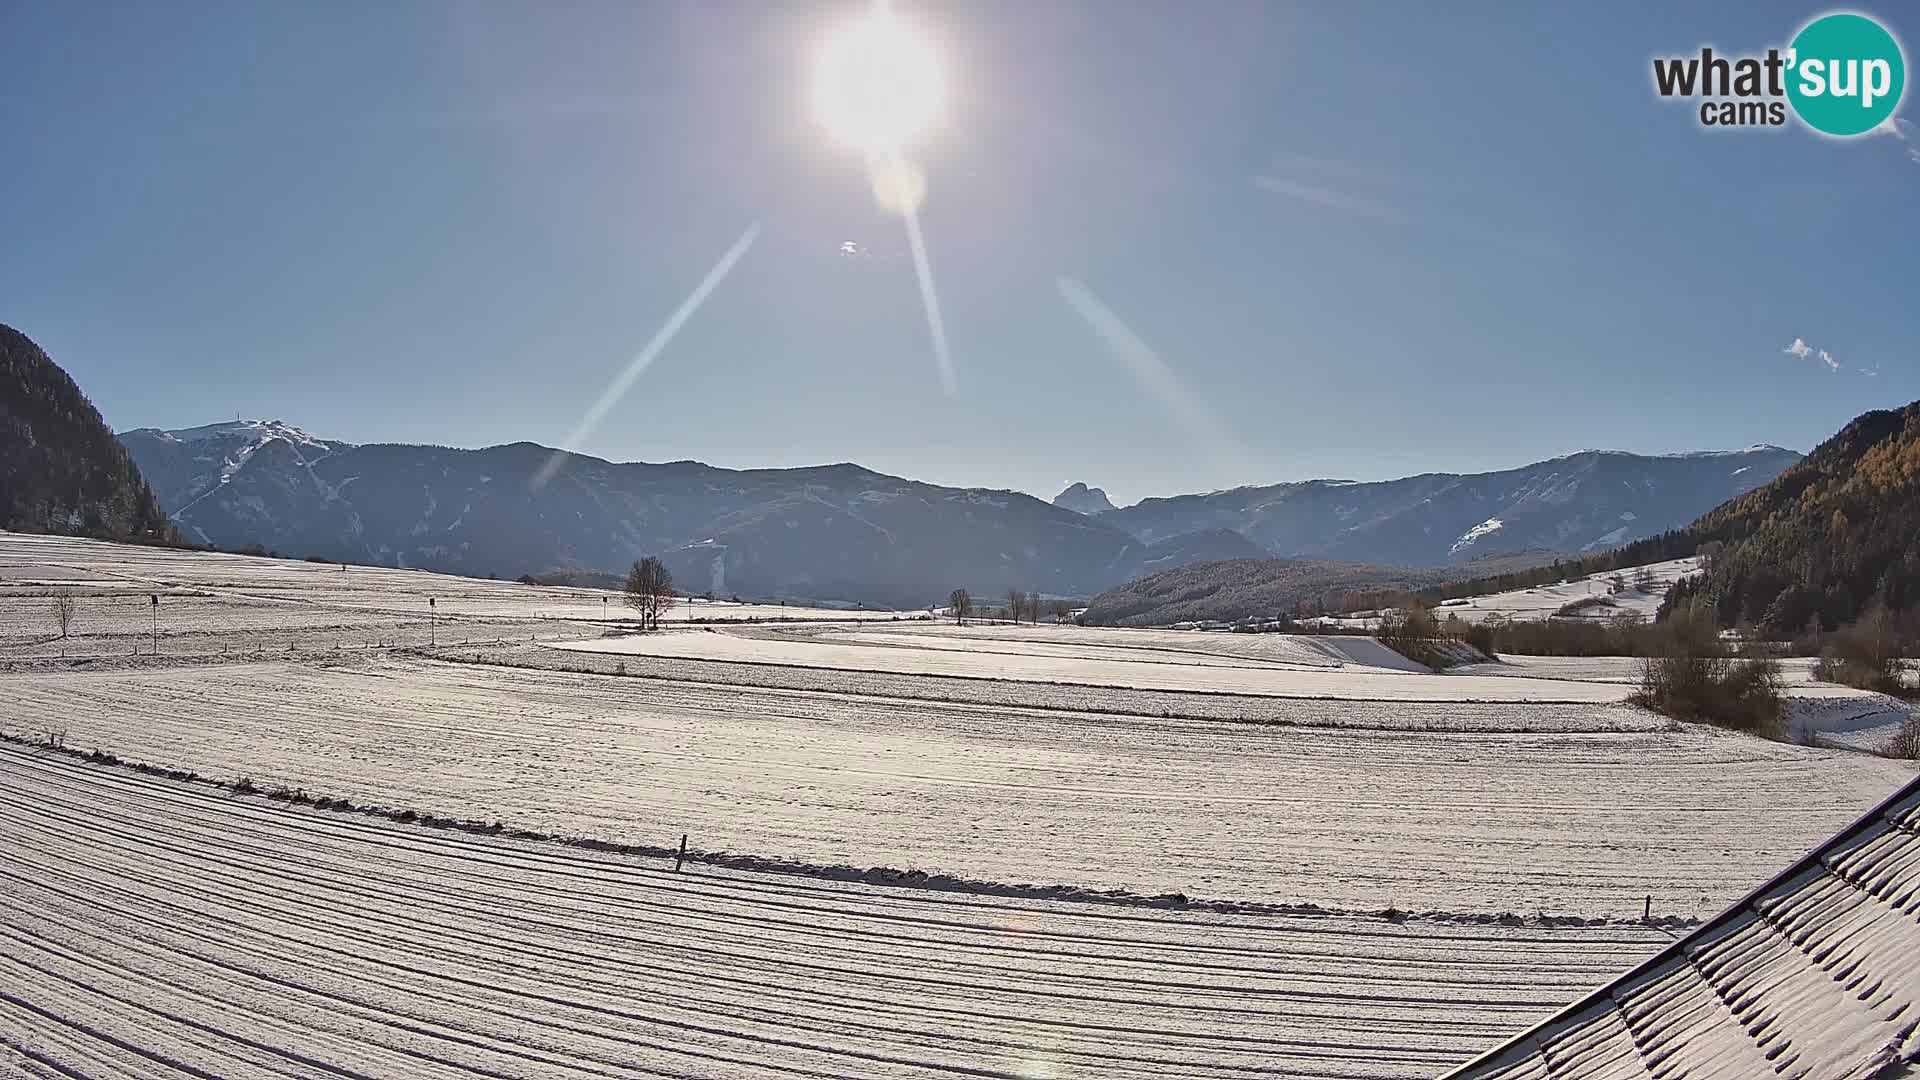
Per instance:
{"type": "Point", "coordinates": [61, 470]}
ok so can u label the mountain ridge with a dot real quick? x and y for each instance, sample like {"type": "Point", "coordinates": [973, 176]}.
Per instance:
{"type": "Point", "coordinates": [826, 531]}
{"type": "Point", "coordinates": [1439, 518]}
{"type": "Point", "coordinates": [839, 530]}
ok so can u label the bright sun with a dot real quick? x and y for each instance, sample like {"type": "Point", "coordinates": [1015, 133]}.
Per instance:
{"type": "Point", "coordinates": [876, 84]}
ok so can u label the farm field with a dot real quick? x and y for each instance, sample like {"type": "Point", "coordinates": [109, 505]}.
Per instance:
{"type": "Point", "coordinates": [1563, 822]}
{"type": "Point", "coordinates": [1821, 713]}
{"type": "Point", "coordinates": [1503, 716]}
{"type": "Point", "coordinates": [156, 927]}
{"type": "Point", "coordinates": [1158, 853]}
{"type": "Point", "coordinates": [210, 601]}
{"type": "Point", "coordinates": [1304, 667]}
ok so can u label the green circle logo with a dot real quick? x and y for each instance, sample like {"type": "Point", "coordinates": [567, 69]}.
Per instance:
{"type": "Point", "coordinates": [1846, 74]}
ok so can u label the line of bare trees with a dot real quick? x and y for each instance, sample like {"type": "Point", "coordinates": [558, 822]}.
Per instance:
{"type": "Point", "coordinates": [1020, 607]}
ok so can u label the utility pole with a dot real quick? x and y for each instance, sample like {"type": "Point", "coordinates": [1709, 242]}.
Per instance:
{"type": "Point", "coordinates": [603, 609]}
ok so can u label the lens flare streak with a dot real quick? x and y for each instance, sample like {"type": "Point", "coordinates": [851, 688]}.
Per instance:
{"type": "Point", "coordinates": [922, 269]}
{"type": "Point", "coordinates": [1153, 374]}
{"type": "Point", "coordinates": [644, 358]}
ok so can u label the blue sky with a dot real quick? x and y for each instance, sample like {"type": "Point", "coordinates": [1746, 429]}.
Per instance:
{"type": "Point", "coordinates": [1361, 240]}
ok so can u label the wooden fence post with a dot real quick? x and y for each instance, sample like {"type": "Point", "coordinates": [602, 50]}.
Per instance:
{"type": "Point", "coordinates": [682, 857]}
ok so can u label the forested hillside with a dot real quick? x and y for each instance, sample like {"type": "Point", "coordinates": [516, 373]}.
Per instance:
{"type": "Point", "coordinates": [61, 469]}
{"type": "Point", "coordinates": [1242, 589]}
{"type": "Point", "coordinates": [1829, 539]}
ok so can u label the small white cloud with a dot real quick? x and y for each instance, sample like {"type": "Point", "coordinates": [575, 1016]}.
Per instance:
{"type": "Point", "coordinates": [1902, 131]}
{"type": "Point", "coordinates": [1799, 350]}
{"type": "Point", "coordinates": [1827, 359]}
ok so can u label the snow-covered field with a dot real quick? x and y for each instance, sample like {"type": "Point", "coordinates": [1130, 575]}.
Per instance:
{"type": "Point", "coordinates": [212, 601]}
{"type": "Point", "coordinates": [1356, 669]}
{"type": "Point", "coordinates": [153, 927]}
{"type": "Point", "coordinates": [1825, 714]}
{"type": "Point", "coordinates": [1561, 822]}
{"type": "Point", "coordinates": [156, 928]}
{"type": "Point", "coordinates": [1541, 602]}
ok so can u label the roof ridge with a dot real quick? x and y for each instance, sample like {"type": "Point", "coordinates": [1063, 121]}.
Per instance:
{"type": "Point", "coordinates": [1883, 812]}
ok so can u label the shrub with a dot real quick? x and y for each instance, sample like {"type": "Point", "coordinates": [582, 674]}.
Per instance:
{"type": "Point", "coordinates": [1864, 654]}
{"type": "Point", "coordinates": [1482, 635]}
{"type": "Point", "coordinates": [1411, 632]}
{"type": "Point", "coordinates": [1692, 678]}
{"type": "Point", "coordinates": [1625, 634]}
{"type": "Point", "coordinates": [1906, 742]}
{"type": "Point", "coordinates": [1586, 603]}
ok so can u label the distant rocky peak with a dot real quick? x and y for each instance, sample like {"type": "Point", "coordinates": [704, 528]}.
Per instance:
{"type": "Point", "coordinates": [1082, 499]}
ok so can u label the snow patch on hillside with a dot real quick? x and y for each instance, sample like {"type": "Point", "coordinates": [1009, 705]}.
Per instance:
{"type": "Point", "coordinates": [1607, 539]}
{"type": "Point", "coordinates": [1468, 538]}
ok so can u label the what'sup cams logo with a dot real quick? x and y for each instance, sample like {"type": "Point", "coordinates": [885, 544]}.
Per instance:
{"type": "Point", "coordinates": [1842, 75]}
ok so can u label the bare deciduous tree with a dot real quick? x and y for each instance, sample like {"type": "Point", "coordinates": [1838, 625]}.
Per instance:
{"type": "Point", "coordinates": [63, 612]}
{"type": "Point", "coordinates": [1016, 604]}
{"type": "Point", "coordinates": [960, 603]}
{"type": "Point", "coordinates": [649, 591]}
{"type": "Point", "coordinates": [1865, 653]}
{"type": "Point", "coordinates": [1905, 742]}
{"type": "Point", "coordinates": [1062, 610]}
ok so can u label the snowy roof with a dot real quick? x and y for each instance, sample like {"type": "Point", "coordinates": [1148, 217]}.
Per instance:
{"type": "Point", "coordinates": [1814, 975]}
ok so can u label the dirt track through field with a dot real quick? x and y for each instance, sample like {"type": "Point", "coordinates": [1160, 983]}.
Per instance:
{"type": "Point", "coordinates": [153, 928]}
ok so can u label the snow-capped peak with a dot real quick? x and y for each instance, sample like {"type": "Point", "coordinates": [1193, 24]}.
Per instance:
{"type": "Point", "coordinates": [254, 431]}
{"type": "Point", "coordinates": [1757, 448]}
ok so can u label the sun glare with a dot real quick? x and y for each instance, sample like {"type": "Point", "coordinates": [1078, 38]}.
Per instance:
{"type": "Point", "coordinates": [877, 84]}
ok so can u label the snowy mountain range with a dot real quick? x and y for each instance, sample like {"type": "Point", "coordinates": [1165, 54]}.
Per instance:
{"type": "Point", "coordinates": [846, 532]}
{"type": "Point", "coordinates": [827, 532]}
{"type": "Point", "coordinates": [1582, 502]}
